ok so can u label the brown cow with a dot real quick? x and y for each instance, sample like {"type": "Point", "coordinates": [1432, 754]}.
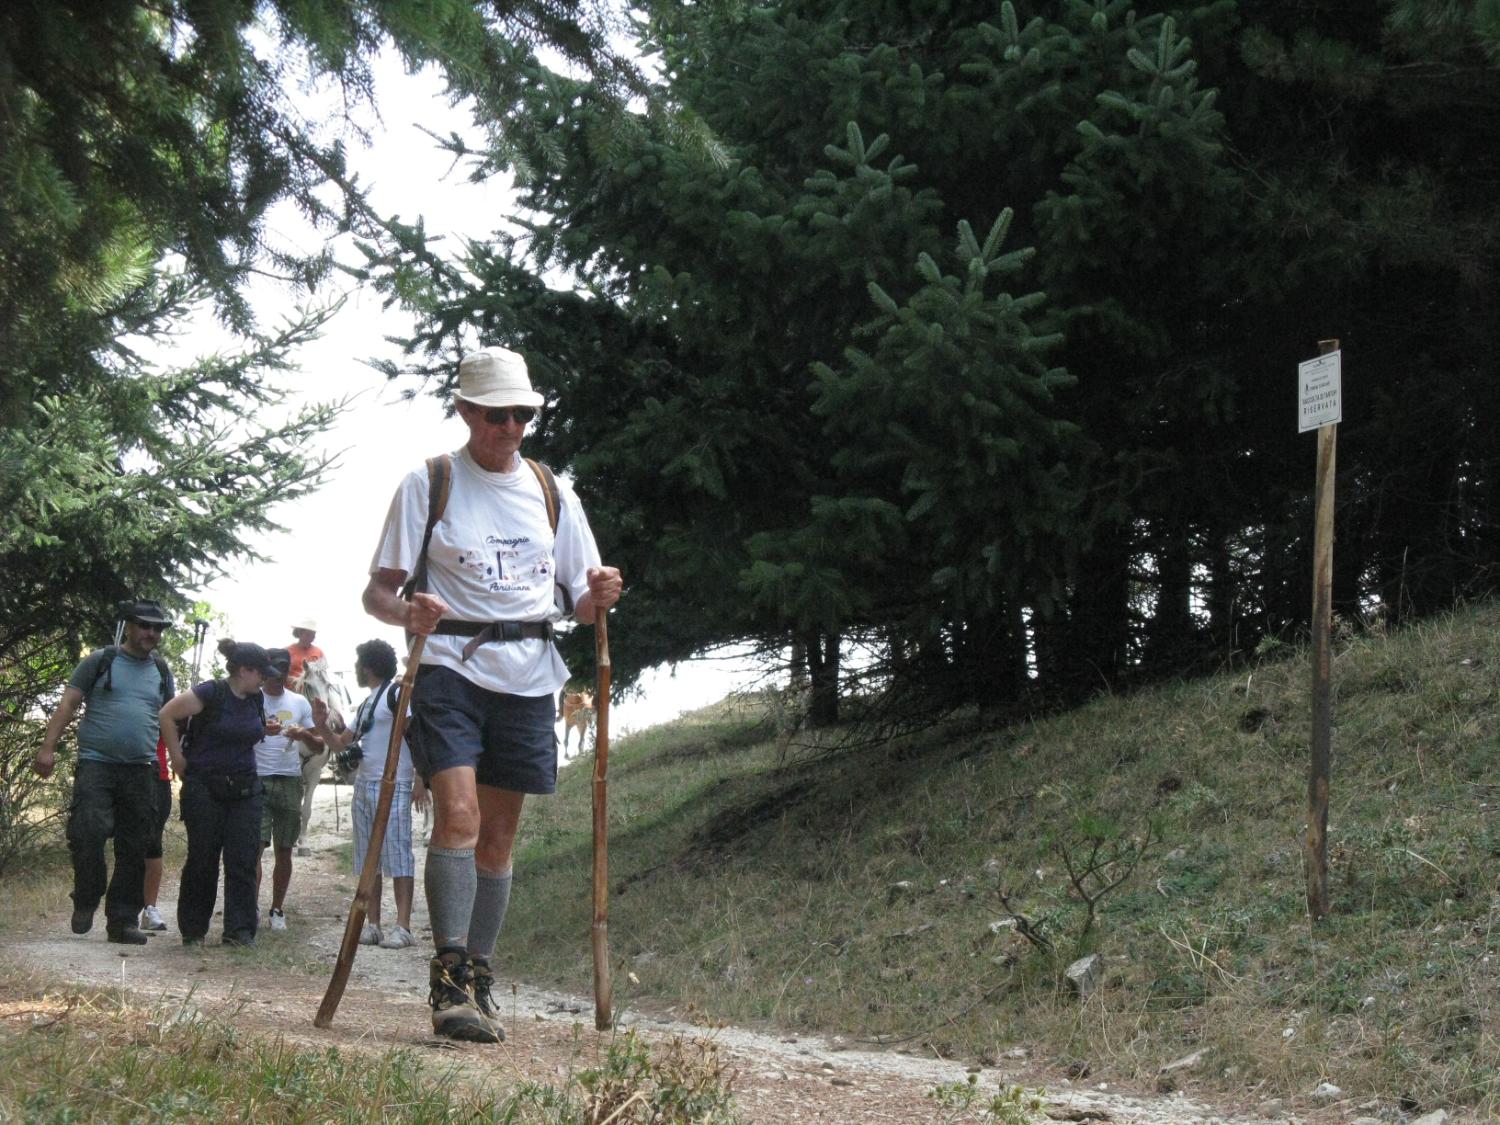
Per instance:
{"type": "Point", "coordinates": [577, 713]}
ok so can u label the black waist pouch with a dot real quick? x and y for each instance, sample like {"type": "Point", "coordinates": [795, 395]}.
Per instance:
{"type": "Point", "coordinates": [233, 787]}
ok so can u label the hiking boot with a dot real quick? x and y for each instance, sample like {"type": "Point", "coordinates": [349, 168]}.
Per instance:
{"type": "Point", "coordinates": [484, 1000]}
{"type": "Point", "coordinates": [454, 1013]}
{"type": "Point", "coordinates": [82, 921]}
{"type": "Point", "coordinates": [151, 919]}
{"type": "Point", "coordinates": [278, 921]}
{"type": "Point", "coordinates": [188, 939]}
{"type": "Point", "coordinates": [370, 935]}
{"type": "Point", "coordinates": [127, 934]}
{"type": "Point", "coordinates": [399, 938]}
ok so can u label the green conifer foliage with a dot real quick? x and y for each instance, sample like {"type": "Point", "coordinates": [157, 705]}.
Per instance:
{"type": "Point", "coordinates": [800, 410]}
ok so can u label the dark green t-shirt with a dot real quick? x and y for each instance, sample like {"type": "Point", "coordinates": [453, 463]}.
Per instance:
{"type": "Point", "coordinates": [119, 722]}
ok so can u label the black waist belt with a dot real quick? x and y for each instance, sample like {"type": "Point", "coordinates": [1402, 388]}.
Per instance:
{"type": "Point", "coordinates": [483, 632]}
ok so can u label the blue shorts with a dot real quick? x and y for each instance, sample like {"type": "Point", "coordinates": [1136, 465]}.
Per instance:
{"type": "Point", "coordinates": [509, 740]}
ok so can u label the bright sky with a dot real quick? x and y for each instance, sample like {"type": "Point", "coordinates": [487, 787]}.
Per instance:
{"type": "Point", "coordinates": [319, 559]}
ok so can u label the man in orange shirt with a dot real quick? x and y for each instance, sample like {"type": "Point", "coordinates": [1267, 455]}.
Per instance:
{"type": "Point", "coordinates": [302, 651]}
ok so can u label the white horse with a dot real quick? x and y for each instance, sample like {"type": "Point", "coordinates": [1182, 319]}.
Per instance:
{"type": "Point", "coordinates": [316, 683]}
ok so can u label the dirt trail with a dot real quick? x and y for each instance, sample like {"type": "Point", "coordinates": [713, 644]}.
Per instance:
{"type": "Point", "coordinates": [275, 989]}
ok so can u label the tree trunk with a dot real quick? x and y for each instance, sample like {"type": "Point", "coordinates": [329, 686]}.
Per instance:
{"type": "Point", "coordinates": [823, 668]}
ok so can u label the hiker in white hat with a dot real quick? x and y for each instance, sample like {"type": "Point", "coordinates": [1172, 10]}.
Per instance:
{"type": "Point", "coordinates": [509, 553]}
{"type": "Point", "coordinates": [302, 651]}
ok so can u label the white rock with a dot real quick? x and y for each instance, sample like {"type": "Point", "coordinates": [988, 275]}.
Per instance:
{"type": "Point", "coordinates": [1187, 1062]}
{"type": "Point", "coordinates": [1327, 1091]}
{"type": "Point", "coordinates": [1086, 973]}
{"type": "Point", "coordinates": [1001, 925]}
{"type": "Point", "coordinates": [1436, 1117]}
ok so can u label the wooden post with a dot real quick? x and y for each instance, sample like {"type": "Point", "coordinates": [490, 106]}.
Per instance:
{"type": "Point", "coordinates": [603, 1002]}
{"type": "Point", "coordinates": [1322, 675]}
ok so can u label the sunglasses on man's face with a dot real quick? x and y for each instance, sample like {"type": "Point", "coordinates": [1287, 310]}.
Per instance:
{"type": "Point", "coordinates": [499, 415]}
{"type": "Point", "coordinates": [150, 626]}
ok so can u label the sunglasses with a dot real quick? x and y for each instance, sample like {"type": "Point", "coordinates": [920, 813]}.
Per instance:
{"type": "Point", "coordinates": [151, 626]}
{"type": "Point", "coordinates": [499, 415]}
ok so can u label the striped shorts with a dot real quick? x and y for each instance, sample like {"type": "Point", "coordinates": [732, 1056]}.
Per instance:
{"type": "Point", "coordinates": [395, 854]}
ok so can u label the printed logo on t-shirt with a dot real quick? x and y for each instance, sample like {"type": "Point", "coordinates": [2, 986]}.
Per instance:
{"type": "Point", "coordinates": [506, 565]}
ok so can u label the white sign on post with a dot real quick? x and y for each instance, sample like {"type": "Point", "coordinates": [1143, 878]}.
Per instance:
{"type": "Point", "coordinates": [1319, 395]}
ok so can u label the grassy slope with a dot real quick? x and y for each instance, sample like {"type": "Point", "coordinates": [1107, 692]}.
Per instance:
{"type": "Point", "coordinates": [755, 884]}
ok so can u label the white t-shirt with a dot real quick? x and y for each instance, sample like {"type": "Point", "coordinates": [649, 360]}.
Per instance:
{"type": "Point", "coordinates": [493, 558]}
{"type": "Point", "coordinates": [275, 754]}
{"type": "Point", "coordinates": [376, 741]}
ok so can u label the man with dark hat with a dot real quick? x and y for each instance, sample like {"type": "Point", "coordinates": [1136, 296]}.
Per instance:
{"type": "Point", "coordinates": [122, 686]}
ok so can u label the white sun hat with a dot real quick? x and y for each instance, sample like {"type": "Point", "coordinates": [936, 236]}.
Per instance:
{"type": "Point", "coordinates": [496, 377]}
{"type": "Point", "coordinates": [306, 623]}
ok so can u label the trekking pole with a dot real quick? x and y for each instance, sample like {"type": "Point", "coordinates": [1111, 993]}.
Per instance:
{"type": "Point", "coordinates": [371, 871]}
{"type": "Point", "coordinates": [200, 631]}
{"type": "Point", "coordinates": [603, 1016]}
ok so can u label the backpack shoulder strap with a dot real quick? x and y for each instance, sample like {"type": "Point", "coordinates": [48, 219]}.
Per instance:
{"type": "Point", "coordinates": [166, 676]}
{"type": "Point", "coordinates": [550, 494]}
{"type": "Point", "coordinates": [439, 482]}
{"type": "Point", "coordinates": [205, 718]}
{"type": "Point", "coordinates": [102, 671]}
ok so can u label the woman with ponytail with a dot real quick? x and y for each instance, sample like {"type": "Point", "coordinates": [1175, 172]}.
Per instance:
{"type": "Point", "coordinates": [214, 755]}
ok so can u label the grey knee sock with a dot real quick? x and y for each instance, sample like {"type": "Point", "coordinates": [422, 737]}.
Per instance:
{"type": "Point", "coordinates": [490, 901]}
{"type": "Point", "coordinates": [449, 880]}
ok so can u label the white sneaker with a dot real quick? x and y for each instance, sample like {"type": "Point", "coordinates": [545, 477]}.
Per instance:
{"type": "Point", "coordinates": [399, 938]}
{"type": "Point", "coordinates": [151, 919]}
{"type": "Point", "coordinates": [278, 920]}
{"type": "Point", "coordinates": [370, 935]}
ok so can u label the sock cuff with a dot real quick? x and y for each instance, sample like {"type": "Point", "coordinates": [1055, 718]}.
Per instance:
{"type": "Point", "coordinates": [459, 853]}
{"type": "Point", "coordinates": [498, 876]}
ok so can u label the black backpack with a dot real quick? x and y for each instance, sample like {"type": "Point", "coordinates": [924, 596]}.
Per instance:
{"type": "Point", "coordinates": [105, 671]}
{"type": "Point", "coordinates": [214, 704]}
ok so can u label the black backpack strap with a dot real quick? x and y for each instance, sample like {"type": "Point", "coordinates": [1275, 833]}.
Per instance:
{"type": "Point", "coordinates": [102, 669]}
{"type": "Point", "coordinates": [392, 696]}
{"type": "Point", "coordinates": [439, 481]}
{"type": "Point", "coordinates": [166, 676]}
{"type": "Point", "coordinates": [205, 718]}
{"type": "Point", "coordinates": [105, 671]}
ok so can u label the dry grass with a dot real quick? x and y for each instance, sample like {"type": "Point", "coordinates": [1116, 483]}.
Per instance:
{"type": "Point", "coordinates": [854, 891]}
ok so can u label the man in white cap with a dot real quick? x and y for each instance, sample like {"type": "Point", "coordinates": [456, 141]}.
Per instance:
{"type": "Point", "coordinates": [483, 709]}
{"type": "Point", "coordinates": [302, 651]}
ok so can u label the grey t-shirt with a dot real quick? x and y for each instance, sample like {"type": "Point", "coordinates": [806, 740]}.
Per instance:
{"type": "Point", "coordinates": [119, 722]}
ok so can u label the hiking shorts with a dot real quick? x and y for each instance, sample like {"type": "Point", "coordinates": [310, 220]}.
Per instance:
{"type": "Point", "coordinates": [509, 740]}
{"type": "Point", "coordinates": [163, 790]}
{"type": "Point", "coordinates": [281, 815]}
{"type": "Point", "coordinates": [396, 859]}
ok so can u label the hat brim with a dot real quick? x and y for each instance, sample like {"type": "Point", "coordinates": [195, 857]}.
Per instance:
{"type": "Point", "coordinates": [506, 398]}
{"type": "Point", "coordinates": [136, 619]}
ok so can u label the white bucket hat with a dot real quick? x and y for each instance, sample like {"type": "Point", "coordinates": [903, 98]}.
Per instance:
{"type": "Point", "coordinates": [306, 623]}
{"type": "Point", "coordinates": [496, 377]}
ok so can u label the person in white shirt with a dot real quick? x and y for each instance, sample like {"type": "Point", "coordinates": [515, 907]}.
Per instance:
{"type": "Point", "coordinates": [367, 743]}
{"type": "Point", "coordinates": [279, 765]}
{"type": "Point", "coordinates": [483, 706]}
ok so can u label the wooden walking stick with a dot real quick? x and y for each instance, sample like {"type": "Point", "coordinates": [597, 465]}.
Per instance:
{"type": "Point", "coordinates": [603, 1014]}
{"type": "Point", "coordinates": [370, 873]}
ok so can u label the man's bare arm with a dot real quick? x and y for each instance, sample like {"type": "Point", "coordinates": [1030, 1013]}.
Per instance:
{"type": "Point", "coordinates": [67, 707]}
{"type": "Point", "coordinates": [383, 601]}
